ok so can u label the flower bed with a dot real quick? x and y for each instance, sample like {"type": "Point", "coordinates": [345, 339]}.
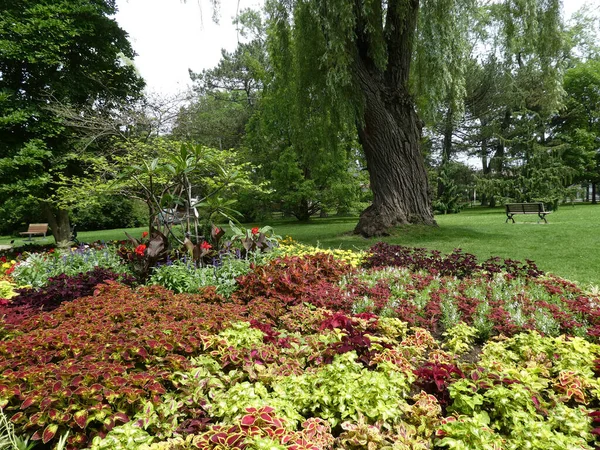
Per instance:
{"type": "Point", "coordinates": [311, 351]}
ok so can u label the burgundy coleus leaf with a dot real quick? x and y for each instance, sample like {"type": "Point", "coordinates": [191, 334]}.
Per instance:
{"type": "Point", "coordinates": [49, 433]}
{"type": "Point", "coordinates": [248, 420]}
{"type": "Point", "coordinates": [121, 417]}
{"type": "Point", "coordinates": [266, 417]}
{"type": "Point", "coordinates": [233, 440]}
{"type": "Point", "coordinates": [76, 381]}
{"type": "Point", "coordinates": [45, 403]}
{"type": "Point", "coordinates": [156, 388]}
{"type": "Point", "coordinates": [16, 417]}
{"type": "Point", "coordinates": [80, 418]}
{"type": "Point", "coordinates": [27, 402]}
{"type": "Point", "coordinates": [118, 381]}
{"type": "Point", "coordinates": [219, 438]}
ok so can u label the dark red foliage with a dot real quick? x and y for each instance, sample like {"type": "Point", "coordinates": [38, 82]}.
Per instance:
{"type": "Point", "coordinates": [96, 359]}
{"type": "Point", "coordinates": [294, 280]}
{"type": "Point", "coordinates": [435, 377]}
{"type": "Point", "coordinates": [59, 289]}
{"type": "Point", "coordinates": [355, 338]}
{"type": "Point", "coordinates": [455, 264]}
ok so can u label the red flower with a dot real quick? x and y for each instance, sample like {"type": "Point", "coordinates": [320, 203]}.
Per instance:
{"type": "Point", "coordinates": [144, 234]}
{"type": "Point", "coordinates": [255, 230]}
{"type": "Point", "coordinates": [217, 230]}
{"type": "Point", "coordinates": [205, 246]}
{"type": "Point", "coordinates": [140, 249]}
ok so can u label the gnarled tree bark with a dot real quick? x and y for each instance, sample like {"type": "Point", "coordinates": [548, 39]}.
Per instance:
{"type": "Point", "coordinates": [390, 131]}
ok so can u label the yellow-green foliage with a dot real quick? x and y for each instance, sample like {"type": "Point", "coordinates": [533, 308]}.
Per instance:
{"type": "Point", "coordinates": [7, 289]}
{"type": "Point", "coordinates": [290, 248]}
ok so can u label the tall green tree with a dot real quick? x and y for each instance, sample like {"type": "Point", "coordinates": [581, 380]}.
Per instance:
{"type": "Point", "coordinates": [70, 51]}
{"type": "Point", "coordinates": [364, 50]}
{"type": "Point", "coordinates": [578, 125]}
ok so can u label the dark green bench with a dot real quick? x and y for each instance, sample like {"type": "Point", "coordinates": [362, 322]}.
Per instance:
{"type": "Point", "coordinates": [512, 209]}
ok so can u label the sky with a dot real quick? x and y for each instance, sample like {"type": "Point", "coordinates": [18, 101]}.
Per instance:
{"type": "Point", "coordinates": [170, 37]}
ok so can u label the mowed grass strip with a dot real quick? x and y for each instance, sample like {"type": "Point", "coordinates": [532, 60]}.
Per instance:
{"type": "Point", "coordinates": [568, 246]}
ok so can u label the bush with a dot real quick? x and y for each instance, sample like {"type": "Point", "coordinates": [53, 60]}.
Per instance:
{"type": "Point", "coordinates": [181, 277]}
{"type": "Point", "coordinates": [37, 268]}
{"type": "Point", "coordinates": [294, 280]}
{"type": "Point", "coordinates": [96, 362]}
{"type": "Point", "coordinates": [58, 289]}
{"type": "Point", "coordinates": [111, 212]}
{"type": "Point", "coordinates": [456, 264]}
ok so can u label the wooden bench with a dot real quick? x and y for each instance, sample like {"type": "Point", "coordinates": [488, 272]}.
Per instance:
{"type": "Point", "coordinates": [35, 229]}
{"type": "Point", "coordinates": [512, 209]}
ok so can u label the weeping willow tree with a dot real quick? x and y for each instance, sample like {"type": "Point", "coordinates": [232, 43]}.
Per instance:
{"type": "Point", "coordinates": [373, 61]}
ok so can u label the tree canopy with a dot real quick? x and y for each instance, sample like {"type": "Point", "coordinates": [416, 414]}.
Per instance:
{"type": "Point", "coordinates": [71, 51]}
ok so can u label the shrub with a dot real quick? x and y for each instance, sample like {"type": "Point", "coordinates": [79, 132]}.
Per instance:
{"type": "Point", "coordinates": [37, 268]}
{"type": "Point", "coordinates": [111, 212]}
{"type": "Point", "coordinates": [294, 280]}
{"type": "Point", "coordinates": [456, 264]}
{"type": "Point", "coordinates": [93, 363]}
{"type": "Point", "coordinates": [180, 276]}
{"type": "Point", "coordinates": [59, 289]}
{"type": "Point", "coordinates": [7, 291]}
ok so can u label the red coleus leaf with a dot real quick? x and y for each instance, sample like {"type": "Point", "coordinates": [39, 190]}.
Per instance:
{"type": "Point", "coordinates": [118, 381]}
{"type": "Point", "coordinates": [232, 440]}
{"type": "Point", "coordinates": [219, 438]}
{"type": "Point", "coordinates": [16, 417]}
{"type": "Point", "coordinates": [44, 404]}
{"type": "Point", "coordinates": [121, 417]}
{"type": "Point", "coordinates": [49, 433]}
{"type": "Point", "coordinates": [27, 402]}
{"type": "Point", "coordinates": [248, 420]}
{"type": "Point", "coordinates": [80, 418]}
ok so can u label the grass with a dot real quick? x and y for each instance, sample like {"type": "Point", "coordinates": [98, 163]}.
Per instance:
{"type": "Point", "coordinates": [568, 246]}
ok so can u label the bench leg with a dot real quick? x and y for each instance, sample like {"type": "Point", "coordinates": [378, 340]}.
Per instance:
{"type": "Point", "coordinates": [542, 217]}
{"type": "Point", "coordinates": [509, 218]}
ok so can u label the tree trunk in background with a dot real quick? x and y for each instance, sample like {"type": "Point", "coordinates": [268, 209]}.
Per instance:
{"type": "Point", "coordinates": [446, 149]}
{"type": "Point", "coordinates": [58, 220]}
{"type": "Point", "coordinates": [390, 131]}
{"type": "Point", "coordinates": [594, 201]}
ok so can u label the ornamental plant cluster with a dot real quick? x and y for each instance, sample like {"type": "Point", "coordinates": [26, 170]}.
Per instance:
{"type": "Point", "coordinates": [394, 348]}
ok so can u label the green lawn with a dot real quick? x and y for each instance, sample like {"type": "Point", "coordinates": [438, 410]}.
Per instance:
{"type": "Point", "coordinates": [568, 246]}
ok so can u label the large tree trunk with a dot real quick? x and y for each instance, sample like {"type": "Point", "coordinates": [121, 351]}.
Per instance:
{"type": "Point", "coordinates": [58, 220]}
{"type": "Point", "coordinates": [390, 131]}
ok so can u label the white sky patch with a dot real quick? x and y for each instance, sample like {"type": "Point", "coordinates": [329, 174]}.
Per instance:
{"type": "Point", "coordinates": [170, 37]}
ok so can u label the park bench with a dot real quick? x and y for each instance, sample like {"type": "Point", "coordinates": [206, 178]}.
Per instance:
{"type": "Point", "coordinates": [35, 229]}
{"type": "Point", "coordinates": [513, 209]}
